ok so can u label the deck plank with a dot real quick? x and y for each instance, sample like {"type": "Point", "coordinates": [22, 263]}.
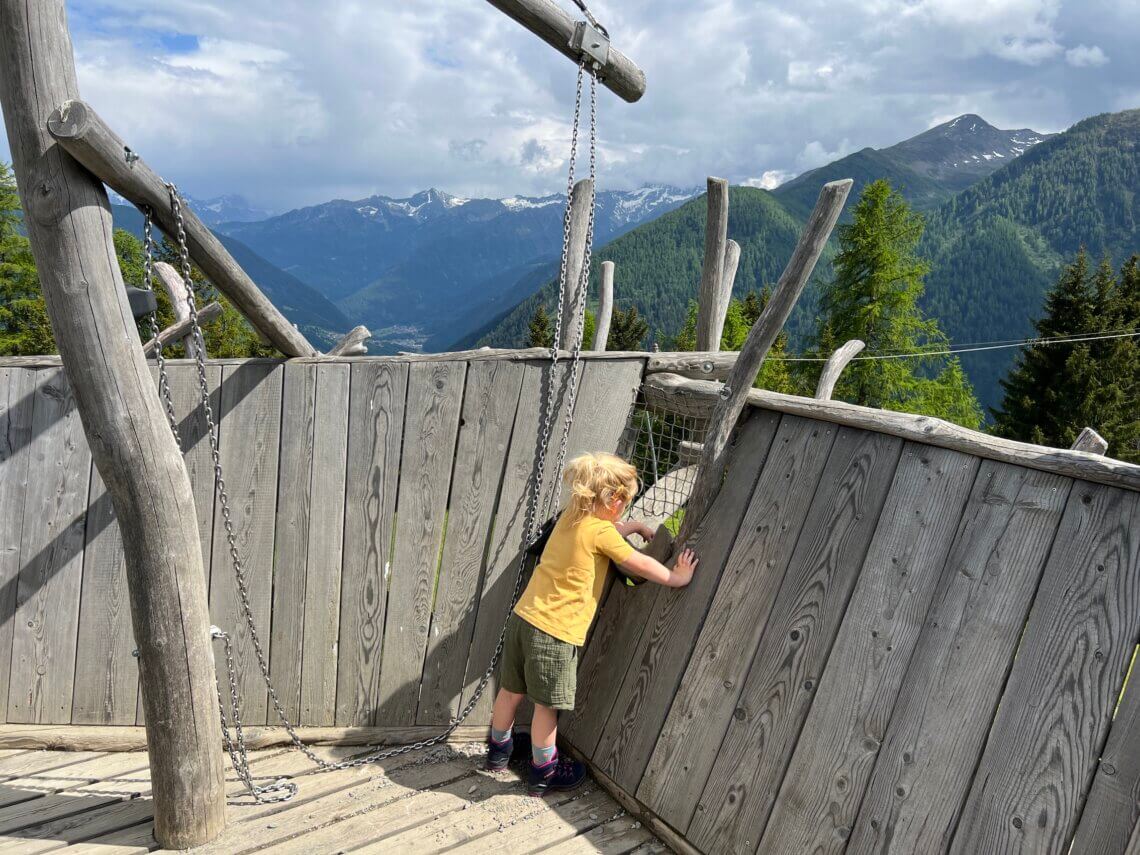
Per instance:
{"type": "Point", "coordinates": [46, 620]}
{"type": "Point", "coordinates": [489, 405]}
{"type": "Point", "coordinates": [435, 397]}
{"type": "Point", "coordinates": [375, 433]}
{"type": "Point", "coordinates": [541, 829]}
{"type": "Point", "coordinates": [1062, 690]}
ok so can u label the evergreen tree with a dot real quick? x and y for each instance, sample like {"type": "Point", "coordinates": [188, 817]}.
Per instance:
{"type": "Point", "coordinates": [24, 327]}
{"type": "Point", "coordinates": [541, 333]}
{"type": "Point", "coordinates": [874, 297]}
{"type": "Point", "coordinates": [627, 330]}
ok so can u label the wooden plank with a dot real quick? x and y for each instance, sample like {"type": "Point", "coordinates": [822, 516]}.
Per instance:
{"type": "Point", "coordinates": [628, 615]}
{"type": "Point", "coordinates": [326, 538]}
{"type": "Point", "coordinates": [662, 653]}
{"type": "Point", "coordinates": [435, 396]}
{"type": "Point", "coordinates": [538, 830]}
{"type": "Point", "coordinates": [375, 432]}
{"type": "Point", "coordinates": [17, 394]}
{"type": "Point", "coordinates": [616, 837]}
{"type": "Point", "coordinates": [250, 445]}
{"type": "Point", "coordinates": [47, 795]}
{"type": "Point", "coordinates": [291, 536]}
{"type": "Point", "coordinates": [489, 405]}
{"type": "Point", "coordinates": [680, 759]}
{"type": "Point", "coordinates": [25, 763]}
{"type": "Point", "coordinates": [828, 772]}
{"type": "Point", "coordinates": [46, 621]}
{"type": "Point", "coordinates": [1041, 754]}
{"type": "Point", "coordinates": [712, 302]}
{"type": "Point", "coordinates": [795, 645]}
{"type": "Point", "coordinates": [605, 306]}
{"type": "Point", "coordinates": [1112, 809]}
{"type": "Point", "coordinates": [578, 229]}
{"type": "Point", "coordinates": [958, 670]}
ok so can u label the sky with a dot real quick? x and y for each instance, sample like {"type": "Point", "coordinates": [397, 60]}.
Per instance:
{"type": "Point", "coordinates": [294, 103]}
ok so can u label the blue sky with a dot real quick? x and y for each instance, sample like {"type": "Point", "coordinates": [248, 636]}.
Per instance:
{"type": "Point", "coordinates": [293, 103]}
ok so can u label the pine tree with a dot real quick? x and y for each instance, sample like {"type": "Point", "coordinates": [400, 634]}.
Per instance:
{"type": "Point", "coordinates": [874, 297]}
{"type": "Point", "coordinates": [24, 326]}
{"type": "Point", "coordinates": [627, 330]}
{"type": "Point", "coordinates": [541, 334]}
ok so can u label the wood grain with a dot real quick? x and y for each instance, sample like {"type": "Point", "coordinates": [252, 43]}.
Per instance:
{"type": "Point", "coordinates": [958, 670]}
{"type": "Point", "coordinates": [250, 448]}
{"type": "Point", "coordinates": [325, 548]}
{"type": "Point", "coordinates": [51, 558]}
{"type": "Point", "coordinates": [489, 405]}
{"type": "Point", "coordinates": [605, 307]}
{"type": "Point", "coordinates": [831, 765]}
{"type": "Point", "coordinates": [706, 698]}
{"type": "Point", "coordinates": [574, 304]}
{"type": "Point", "coordinates": [17, 393]}
{"type": "Point", "coordinates": [1041, 754]}
{"type": "Point", "coordinates": [375, 433]}
{"type": "Point", "coordinates": [435, 396]}
{"type": "Point", "coordinates": [662, 653]}
{"type": "Point", "coordinates": [711, 303]}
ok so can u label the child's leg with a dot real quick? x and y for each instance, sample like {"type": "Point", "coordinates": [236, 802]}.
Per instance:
{"type": "Point", "coordinates": [503, 713]}
{"type": "Point", "coordinates": [543, 733]}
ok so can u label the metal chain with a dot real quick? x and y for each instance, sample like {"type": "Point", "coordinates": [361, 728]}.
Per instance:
{"type": "Point", "coordinates": [148, 284]}
{"type": "Point", "coordinates": [282, 790]}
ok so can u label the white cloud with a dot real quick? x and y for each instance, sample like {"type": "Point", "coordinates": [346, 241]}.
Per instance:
{"type": "Point", "coordinates": [770, 180]}
{"type": "Point", "coordinates": [1085, 57]}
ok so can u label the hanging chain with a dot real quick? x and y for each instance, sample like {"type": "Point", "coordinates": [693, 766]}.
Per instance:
{"type": "Point", "coordinates": [148, 284]}
{"type": "Point", "coordinates": [282, 790]}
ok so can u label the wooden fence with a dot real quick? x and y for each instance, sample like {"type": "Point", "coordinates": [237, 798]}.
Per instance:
{"type": "Point", "coordinates": [888, 647]}
{"type": "Point", "coordinates": [377, 507]}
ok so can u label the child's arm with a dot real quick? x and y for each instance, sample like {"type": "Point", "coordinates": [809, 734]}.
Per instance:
{"type": "Point", "coordinates": [649, 568]}
{"type": "Point", "coordinates": [625, 529]}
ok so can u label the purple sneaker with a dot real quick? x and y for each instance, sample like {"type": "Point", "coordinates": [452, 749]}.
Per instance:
{"type": "Point", "coordinates": [499, 753]}
{"type": "Point", "coordinates": [556, 774]}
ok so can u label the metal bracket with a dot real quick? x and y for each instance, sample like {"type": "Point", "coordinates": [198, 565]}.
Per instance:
{"type": "Point", "coordinates": [591, 43]}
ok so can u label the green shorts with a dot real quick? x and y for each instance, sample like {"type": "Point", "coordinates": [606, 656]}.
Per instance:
{"type": "Point", "coordinates": [538, 665]}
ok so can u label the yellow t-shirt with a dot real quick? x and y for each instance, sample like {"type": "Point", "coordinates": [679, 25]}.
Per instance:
{"type": "Point", "coordinates": [563, 593]}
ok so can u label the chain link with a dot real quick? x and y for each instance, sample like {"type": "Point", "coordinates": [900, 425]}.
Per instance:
{"type": "Point", "coordinates": [282, 790]}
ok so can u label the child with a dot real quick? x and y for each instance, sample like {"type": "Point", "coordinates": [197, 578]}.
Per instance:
{"type": "Point", "coordinates": [549, 622]}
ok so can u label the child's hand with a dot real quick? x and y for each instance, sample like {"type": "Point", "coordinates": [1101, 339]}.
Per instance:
{"type": "Point", "coordinates": [683, 569]}
{"type": "Point", "coordinates": [645, 531]}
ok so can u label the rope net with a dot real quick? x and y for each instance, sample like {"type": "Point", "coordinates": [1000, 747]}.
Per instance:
{"type": "Point", "coordinates": [665, 446]}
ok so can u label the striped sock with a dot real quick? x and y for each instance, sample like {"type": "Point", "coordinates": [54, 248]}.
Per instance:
{"type": "Point", "coordinates": [500, 735]}
{"type": "Point", "coordinates": [541, 756]}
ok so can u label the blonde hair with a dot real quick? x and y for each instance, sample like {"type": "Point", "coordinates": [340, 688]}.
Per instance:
{"type": "Point", "coordinates": [596, 479]}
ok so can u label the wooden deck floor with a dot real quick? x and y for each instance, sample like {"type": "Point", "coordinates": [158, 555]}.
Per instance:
{"type": "Point", "coordinates": [440, 799]}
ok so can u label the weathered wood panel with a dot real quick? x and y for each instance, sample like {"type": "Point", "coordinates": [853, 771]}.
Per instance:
{"type": "Point", "coordinates": [626, 612]}
{"type": "Point", "coordinates": [375, 433]}
{"type": "Point", "coordinates": [291, 535]}
{"type": "Point", "coordinates": [1113, 805]}
{"type": "Point", "coordinates": [797, 639]}
{"type": "Point", "coordinates": [1050, 726]}
{"type": "Point", "coordinates": [958, 670]}
{"type": "Point", "coordinates": [325, 542]}
{"type": "Point", "coordinates": [17, 393]}
{"type": "Point", "coordinates": [660, 657]}
{"type": "Point", "coordinates": [250, 447]}
{"type": "Point", "coordinates": [489, 405]}
{"type": "Point", "coordinates": [435, 396]}
{"type": "Point", "coordinates": [51, 558]}
{"type": "Point", "coordinates": [829, 770]}
{"type": "Point", "coordinates": [706, 698]}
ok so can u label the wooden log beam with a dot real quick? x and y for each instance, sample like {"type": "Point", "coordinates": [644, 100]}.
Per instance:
{"type": "Point", "coordinates": [684, 395]}
{"type": "Point", "coordinates": [1090, 441]}
{"type": "Point", "coordinates": [87, 138]}
{"type": "Point", "coordinates": [693, 364]}
{"type": "Point", "coordinates": [179, 295]}
{"type": "Point", "coordinates": [68, 218]}
{"type": "Point", "coordinates": [581, 201]}
{"type": "Point", "coordinates": [834, 367]}
{"type": "Point", "coordinates": [731, 263]}
{"type": "Point", "coordinates": [710, 315]}
{"type": "Point", "coordinates": [755, 348]}
{"type": "Point", "coordinates": [181, 329]}
{"type": "Point", "coordinates": [352, 344]}
{"type": "Point", "coordinates": [550, 23]}
{"type": "Point", "coordinates": [605, 307]}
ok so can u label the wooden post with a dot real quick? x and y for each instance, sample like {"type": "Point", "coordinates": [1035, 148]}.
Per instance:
{"type": "Point", "coordinates": [834, 367]}
{"type": "Point", "coordinates": [1090, 441]}
{"type": "Point", "coordinates": [352, 344]}
{"type": "Point", "coordinates": [581, 201]}
{"type": "Point", "coordinates": [731, 263]}
{"type": "Point", "coordinates": [179, 295]}
{"type": "Point", "coordinates": [710, 297]}
{"type": "Point", "coordinates": [605, 306]}
{"type": "Point", "coordinates": [182, 329]}
{"type": "Point", "coordinates": [68, 219]}
{"type": "Point", "coordinates": [550, 23]}
{"type": "Point", "coordinates": [86, 137]}
{"type": "Point", "coordinates": [755, 348]}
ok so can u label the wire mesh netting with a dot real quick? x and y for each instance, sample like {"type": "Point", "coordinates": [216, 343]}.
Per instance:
{"type": "Point", "coordinates": [665, 446]}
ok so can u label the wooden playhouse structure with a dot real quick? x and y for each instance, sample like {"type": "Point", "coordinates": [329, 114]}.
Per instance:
{"type": "Point", "coordinates": [903, 637]}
